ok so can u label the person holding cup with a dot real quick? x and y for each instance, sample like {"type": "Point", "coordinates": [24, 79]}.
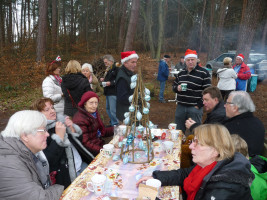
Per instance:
{"type": "Point", "coordinates": [108, 82]}
{"type": "Point", "coordinates": [88, 119]}
{"type": "Point", "coordinates": [189, 84]}
{"type": "Point", "coordinates": [216, 163]}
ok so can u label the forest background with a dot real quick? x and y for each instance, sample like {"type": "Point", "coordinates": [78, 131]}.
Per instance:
{"type": "Point", "coordinates": [33, 33]}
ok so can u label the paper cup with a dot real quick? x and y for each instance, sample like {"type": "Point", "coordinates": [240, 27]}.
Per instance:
{"type": "Point", "coordinates": [104, 84]}
{"type": "Point", "coordinates": [184, 86]}
{"type": "Point", "coordinates": [154, 183]}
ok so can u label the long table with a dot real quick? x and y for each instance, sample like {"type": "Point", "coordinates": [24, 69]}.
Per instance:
{"type": "Point", "coordinates": [122, 178]}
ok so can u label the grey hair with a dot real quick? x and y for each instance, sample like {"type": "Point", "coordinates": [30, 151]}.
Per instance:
{"type": "Point", "coordinates": [243, 101]}
{"type": "Point", "coordinates": [24, 122]}
{"type": "Point", "coordinates": [109, 58]}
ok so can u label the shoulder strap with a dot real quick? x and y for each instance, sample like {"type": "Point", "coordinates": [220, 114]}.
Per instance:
{"type": "Point", "coordinates": [72, 101]}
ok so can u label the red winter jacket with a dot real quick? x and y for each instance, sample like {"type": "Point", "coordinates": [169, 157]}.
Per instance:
{"type": "Point", "coordinates": [244, 72]}
{"type": "Point", "coordinates": [89, 126]}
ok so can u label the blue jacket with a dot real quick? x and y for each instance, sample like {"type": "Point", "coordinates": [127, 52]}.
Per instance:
{"type": "Point", "coordinates": [163, 72]}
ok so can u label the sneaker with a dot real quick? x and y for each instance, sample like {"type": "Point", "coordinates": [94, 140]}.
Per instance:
{"type": "Point", "coordinates": [162, 101]}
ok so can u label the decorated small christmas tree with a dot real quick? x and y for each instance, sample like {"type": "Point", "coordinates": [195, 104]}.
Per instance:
{"type": "Point", "coordinates": [137, 145]}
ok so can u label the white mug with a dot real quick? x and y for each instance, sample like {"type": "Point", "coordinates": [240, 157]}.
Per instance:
{"type": "Point", "coordinates": [172, 126]}
{"type": "Point", "coordinates": [107, 150]}
{"type": "Point", "coordinates": [175, 134]}
{"type": "Point", "coordinates": [97, 184]}
{"type": "Point", "coordinates": [168, 146]}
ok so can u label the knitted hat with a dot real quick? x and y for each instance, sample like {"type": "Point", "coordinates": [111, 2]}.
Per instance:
{"type": "Point", "coordinates": [166, 56]}
{"type": "Point", "coordinates": [89, 66]}
{"type": "Point", "coordinates": [125, 56]}
{"type": "Point", "coordinates": [241, 56]}
{"type": "Point", "coordinates": [190, 54]}
{"type": "Point", "coordinates": [86, 96]}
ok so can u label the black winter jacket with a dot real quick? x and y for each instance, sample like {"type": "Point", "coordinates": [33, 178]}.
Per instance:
{"type": "Point", "coordinates": [229, 179]}
{"type": "Point", "coordinates": [123, 91]}
{"type": "Point", "coordinates": [111, 76]}
{"type": "Point", "coordinates": [77, 84]}
{"type": "Point", "coordinates": [250, 128]}
{"type": "Point", "coordinates": [217, 115]}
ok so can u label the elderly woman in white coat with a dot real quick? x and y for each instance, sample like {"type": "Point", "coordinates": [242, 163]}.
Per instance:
{"type": "Point", "coordinates": [24, 170]}
{"type": "Point", "coordinates": [52, 85]}
{"type": "Point", "coordinates": [227, 78]}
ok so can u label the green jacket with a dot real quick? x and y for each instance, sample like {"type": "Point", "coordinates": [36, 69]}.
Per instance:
{"type": "Point", "coordinates": [259, 185]}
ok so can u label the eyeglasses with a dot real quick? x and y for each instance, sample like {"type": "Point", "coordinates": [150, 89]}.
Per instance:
{"type": "Point", "coordinates": [195, 142]}
{"type": "Point", "coordinates": [43, 131]}
{"type": "Point", "coordinates": [229, 103]}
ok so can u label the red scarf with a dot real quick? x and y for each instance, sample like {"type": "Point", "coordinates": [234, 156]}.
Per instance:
{"type": "Point", "coordinates": [58, 78]}
{"type": "Point", "coordinates": [194, 180]}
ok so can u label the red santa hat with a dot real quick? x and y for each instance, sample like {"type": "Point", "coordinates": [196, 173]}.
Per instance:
{"type": "Point", "coordinates": [125, 56]}
{"type": "Point", "coordinates": [241, 56]}
{"type": "Point", "coordinates": [190, 54]}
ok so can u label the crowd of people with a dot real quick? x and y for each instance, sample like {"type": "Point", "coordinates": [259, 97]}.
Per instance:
{"type": "Point", "coordinates": [45, 148]}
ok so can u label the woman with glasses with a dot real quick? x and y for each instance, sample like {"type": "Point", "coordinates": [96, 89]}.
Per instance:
{"type": "Point", "coordinates": [62, 144]}
{"type": "Point", "coordinates": [218, 173]}
{"type": "Point", "coordinates": [91, 124]}
{"type": "Point", "coordinates": [24, 168]}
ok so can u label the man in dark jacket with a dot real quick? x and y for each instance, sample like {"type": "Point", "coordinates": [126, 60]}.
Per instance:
{"type": "Point", "coordinates": [213, 105]}
{"type": "Point", "coordinates": [109, 89]}
{"type": "Point", "coordinates": [180, 65]}
{"type": "Point", "coordinates": [239, 108]}
{"type": "Point", "coordinates": [163, 74]}
{"type": "Point", "coordinates": [123, 81]}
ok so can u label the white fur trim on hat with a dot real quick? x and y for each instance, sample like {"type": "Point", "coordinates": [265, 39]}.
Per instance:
{"type": "Point", "coordinates": [129, 57]}
{"type": "Point", "coordinates": [89, 66]}
{"type": "Point", "coordinates": [190, 56]}
{"type": "Point", "coordinates": [240, 58]}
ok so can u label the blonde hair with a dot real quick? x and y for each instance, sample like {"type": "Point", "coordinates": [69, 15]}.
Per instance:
{"type": "Point", "coordinates": [240, 145]}
{"type": "Point", "coordinates": [218, 137]}
{"type": "Point", "coordinates": [227, 61]}
{"type": "Point", "coordinates": [73, 67]}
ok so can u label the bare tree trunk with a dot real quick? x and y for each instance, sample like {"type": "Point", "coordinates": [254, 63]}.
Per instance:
{"type": "Point", "coordinates": [219, 32]}
{"type": "Point", "coordinates": [64, 18]}
{"type": "Point", "coordinates": [132, 25]}
{"type": "Point", "coordinates": [1, 27]}
{"type": "Point", "coordinates": [201, 25]}
{"type": "Point", "coordinates": [29, 19]}
{"type": "Point", "coordinates": [24, 21]}
{"type": "Point", "coordinates": [149, 28]}
{"type": "Point", "coordinates": [42, 29]}
{"type": "Point", "coordinates": [21, 20]}
{"type": "Point", "coordinates": [122, 25]}
{"type": "Point", "coordinates": [263, 39]}
{"type": "Point", "coordinates": [211, 44]}
{"type": "Point", "coordinates": [54, 25]}
{"type": "Point", "coordinates": [9, 32]}
{"type": "Point", "coordinates": [86, 26]}
{"type": "Point", "coordinates": [248, 26]}
{"type": "Point", "coordinates": [107, 25]}
{"type": "Point", "coordinates": [161, 31]}
{"type": "Point", "coordinates": [71, 22]}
